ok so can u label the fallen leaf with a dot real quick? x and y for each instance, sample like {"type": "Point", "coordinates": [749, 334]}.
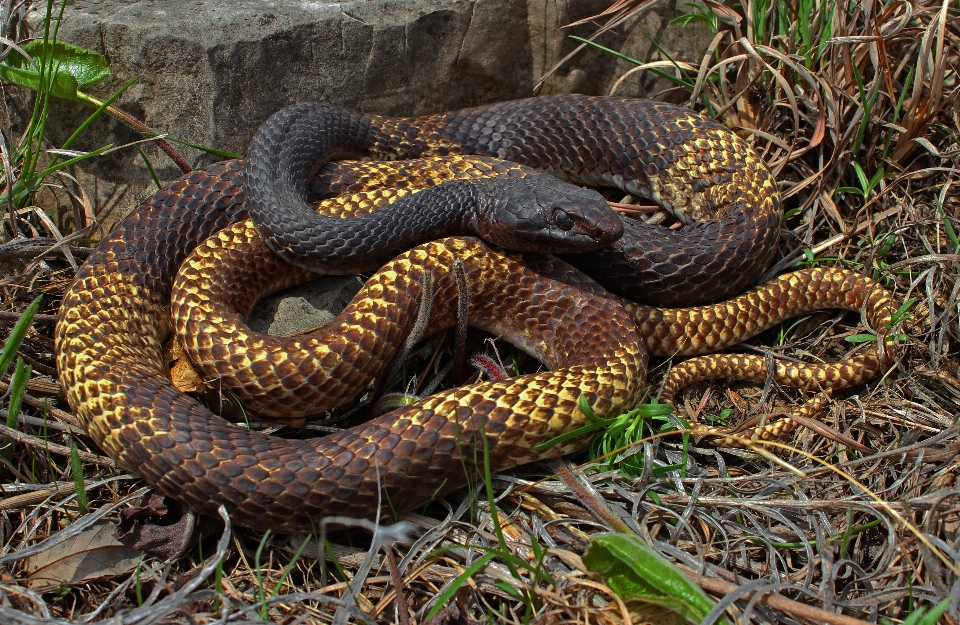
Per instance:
{"type": "Point", "coordinates": [182, 372]}
{"type": "Point", "coordinates": [90, 555]}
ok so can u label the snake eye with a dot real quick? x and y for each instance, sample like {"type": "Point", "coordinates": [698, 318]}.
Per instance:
{"type": "Point", "coordinates": [562, 219]}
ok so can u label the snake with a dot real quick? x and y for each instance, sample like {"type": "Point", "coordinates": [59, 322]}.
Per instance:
{"type": "Point", "coordinates": [694, 167]}
{"type": "Point", "coordinates": [115, 318]}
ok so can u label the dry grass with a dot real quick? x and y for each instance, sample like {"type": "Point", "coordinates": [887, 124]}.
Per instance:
{"type": "Point", "coordinates": [860, 123]}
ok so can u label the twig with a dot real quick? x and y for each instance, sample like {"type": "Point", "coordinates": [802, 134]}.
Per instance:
{"type": "Point", "coordinates": [13, 316]}
{"type": "Point", "coordinates": [161, 143]}
{"type": "Point", "coordinates": [30, 499]}
{"type": "Point", "coordinates": [53, 448]}
{"type": "Point", "coordinates": [632, 208]}
{"type": "Point", "coordinates": [398, 585]}
{"type": "Point", "coordinates": [36, 402]}
{"type": "Point", "coordinates": [777, 602]}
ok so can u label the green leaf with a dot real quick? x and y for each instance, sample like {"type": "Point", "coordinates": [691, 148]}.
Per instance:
{"type": "Point", "coordinates": [887, 245]}
{"type": "Point", "coordinates": [901, 313]}
{"type": "Point", "coordinates": [861, 177]}
{"type": "Point", "coordinates": [683, 83]}
{"type": "Point", "coordinates": [580, 431]}
{"type": "Point", "coordinates": [587, 409]}
{"type": "Point", "coordinates": [64, 85]}
{"type": "Point", "coordinates": [654, 410]}
{"type": "Point", "coordinates": [933, 616]}
{"type": "Point", "coordinates": [639, 575]}
{"type": "Point", "coordinates": [849, 190]}
{"type": "Point", "coordinates": [76, 67]}
{"type": "Point", "coordinates": [17, 387]}
{"type": "Point", "coordinates": [195, 146]}
{"type": "Point", "coordinates": [951, 233]}
{"type": "Point", "coordinates": [875, 180]}
{"type": "Point", "coordinates": [507, 588]}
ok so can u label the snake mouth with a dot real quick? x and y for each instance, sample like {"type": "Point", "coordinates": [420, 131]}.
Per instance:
{"type": "Point", "coordinates": [584, 228]}
{"type": "Point", "coordinates": [556, 241]}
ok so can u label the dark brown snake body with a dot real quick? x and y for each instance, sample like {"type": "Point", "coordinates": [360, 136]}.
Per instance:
{"type": "Point", "coordinates": [114, 320]}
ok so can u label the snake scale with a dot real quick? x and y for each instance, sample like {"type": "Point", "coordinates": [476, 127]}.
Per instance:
{"type": "Point", "coordinates": [115, 316]}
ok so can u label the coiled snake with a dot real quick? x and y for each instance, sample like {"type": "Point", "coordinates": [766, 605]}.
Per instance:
{"type": "Point", "coordinates": [114, 317]}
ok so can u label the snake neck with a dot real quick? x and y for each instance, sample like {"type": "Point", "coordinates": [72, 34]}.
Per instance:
{"type": "Point", "coordinates": [365, 243]}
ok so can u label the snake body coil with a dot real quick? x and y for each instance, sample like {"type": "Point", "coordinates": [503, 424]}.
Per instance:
{"type": "Point", "coordinates": [694, 167]}
{"type": "Point", "coordinates": [113, 319]}
{"type": "Point", "coordinates": [112, 327]}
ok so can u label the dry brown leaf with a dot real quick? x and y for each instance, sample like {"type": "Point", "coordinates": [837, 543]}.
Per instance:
{"type": "Point", "coordinates": [92, 554]}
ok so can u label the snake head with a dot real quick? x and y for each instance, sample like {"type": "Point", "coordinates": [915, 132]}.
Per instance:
{"type": "Point", "coordinates": [543, 214]}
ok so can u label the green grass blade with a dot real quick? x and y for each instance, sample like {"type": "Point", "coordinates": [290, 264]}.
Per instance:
{"type": "Point", "coordinates": [149, 165]}
{"type": "Point", "coordinates": [77, 470]}
{"type": "Point", "coordinates": [678, 81]}
{"type": "Point", "coordinates": [17, 386]}
{"type": "Point", "coordinates": [202, 148]}
{"type": "Point", "coordinates": [17, 335]}
{"type": "Point", "coordinates": [99, 110]}
{"type": "Point", "coordinates": [289, 568]}
{"type": "Point", "coordinates": [458, 583]}
{"type": "Point", "coordinates": [261, 594]}
{"type": "Point", "coordinates": [580, 431]}
{"type": "Point", "coordinates": [951, 233]}
{"type": "Point", "coordinates": [933, 616]}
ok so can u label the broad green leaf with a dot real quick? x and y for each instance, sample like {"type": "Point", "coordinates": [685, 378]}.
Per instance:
{"type": "Point", "coordinates": [86, 66]}
{"type": "Point", "coordinates": [64, 85]}
{"type": "Point", "coordinates": [75, 67]}
{"type": "Point", "coordinates": [640, 576]}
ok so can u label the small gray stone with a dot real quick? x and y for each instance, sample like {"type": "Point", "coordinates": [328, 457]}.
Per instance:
{"type": "Point", "coordinates": [304, 307]}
